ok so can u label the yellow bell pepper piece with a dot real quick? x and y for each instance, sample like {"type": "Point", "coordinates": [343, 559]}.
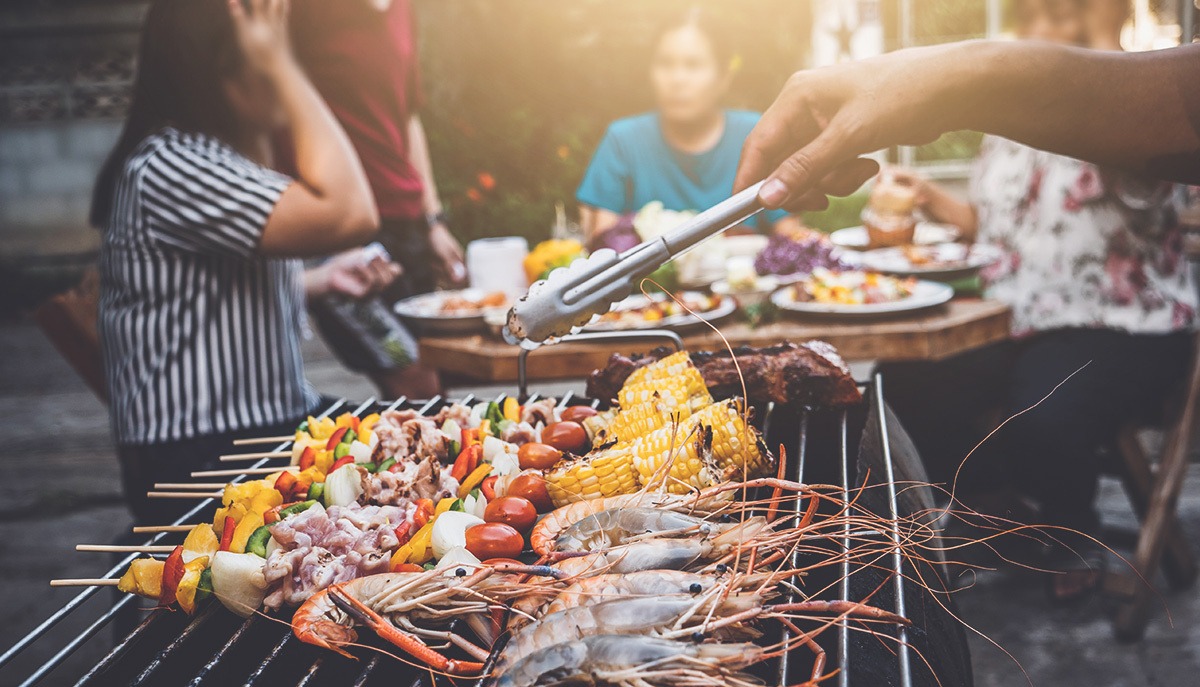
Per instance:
{"type": "Point", "coordinates": [202, 540]}
{"type": "Point", "coordinates": [443, 506]}
{"type": "Point", "coordinates": [144, 578]}
{"type": "Point", "coordinates": [401, 555]}
{"type": "Point", "coordinates": [474, 479]}
{"type": "Point", "coordinates": [236, 511]}
{"type": "Point", "coordinates": [185, 594]}
{"type": "Point", "coordinates": [421, 544]}
{"type": "Point", "coordinates": [303, 441]}
{"type": "Point", "coordinates": [485, 429]}
{"type": "Point", "coordinates": [264, 501]}
{"type": "Point", "coordinates": [244, 529]}
{"type": "Point", "coordinates": [368, 422]}
{"type": "Point", "coordinates": [512, 409]}
{"type": "Point", "coordinates": [324, 461]}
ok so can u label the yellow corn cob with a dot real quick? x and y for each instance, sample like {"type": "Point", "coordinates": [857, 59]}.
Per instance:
{"type": "Point", "coordinates": [710, 445]}
{"type": "Point", "coordinates": [673, 367]}
{"type": "Point", "coordinates": [681, 444]}
{"type": "Point", "coordinates": [600, 473]}
{"type": "Point", "coordinates": [642, 418]}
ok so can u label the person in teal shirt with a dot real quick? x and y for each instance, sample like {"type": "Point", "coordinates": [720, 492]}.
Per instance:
{"type": "Point", "coordinates": [685, 153]}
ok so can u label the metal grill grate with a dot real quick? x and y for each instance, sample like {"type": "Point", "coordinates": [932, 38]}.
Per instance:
{"type": "Point", "coordinates": [215, 647]}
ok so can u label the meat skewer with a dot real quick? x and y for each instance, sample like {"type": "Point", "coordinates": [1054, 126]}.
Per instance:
{"type": "Point", "coordinates": [86, 582]}
{"type": "Point", "coordinates": [117, 548]}
{"type": "Point", "coordinates": [235, 457]}
{"type": "Point", "coordinates": [261, 440]}
{"type": "Point", "coordinates": [189, 485]}
{"type": "Point", "coordinates": [244, 471]}
{"type": "Point", "coordinates": [183, 494]}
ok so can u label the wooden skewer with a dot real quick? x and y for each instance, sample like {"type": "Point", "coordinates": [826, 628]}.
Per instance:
{"type": "Point", "coordinates": [189, 485]}
{"type": "Point", "coordinates": [244, 471]}
{"type": "Point", "coordinates": [86, 582]}
{"type": "Point", "coordinates": [114, 548]}
{"type": "Point", "coordinates": [153, 529]}
{"type": "Point", "coordinates": [232, 457]}
{"type": "Point", "coordinates": [262, 440]}
{"type": "Point", "coordinates": [183, 494]}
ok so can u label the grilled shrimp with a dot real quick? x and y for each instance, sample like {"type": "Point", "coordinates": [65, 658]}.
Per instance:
{"type": "Point", "coordinates": [388, 603]}
{"type": "Point", "coordinates": [610, 528]}
{"type": "Point", "coordinates": [632, 660]}
{"type": "Point", "coordinates": [674, 616]}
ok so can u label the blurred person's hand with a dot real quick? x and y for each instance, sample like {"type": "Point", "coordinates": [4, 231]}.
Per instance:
{"type": "Point", "coordinates": [261, 28]}
{"type": "Point", "coordinates": [913, 179]}
{"type": "Point", "coordinates": [449, 252]}
{"type": "Point", "coordinates": [356, 274]}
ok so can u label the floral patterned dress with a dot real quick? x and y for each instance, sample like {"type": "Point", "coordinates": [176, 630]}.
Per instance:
{"type": "Point", "coordinates": [1082, 247]}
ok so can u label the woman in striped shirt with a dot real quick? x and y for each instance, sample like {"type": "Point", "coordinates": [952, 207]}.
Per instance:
{"type": "Point", "coordinates": [203, 292]}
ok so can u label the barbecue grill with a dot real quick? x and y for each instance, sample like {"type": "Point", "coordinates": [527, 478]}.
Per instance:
{"type": "Point", "coordinates": [855, 448]}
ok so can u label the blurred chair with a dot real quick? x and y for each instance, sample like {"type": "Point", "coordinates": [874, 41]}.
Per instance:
{"type": "Point", "coordinates": [69, 320]}
{"type": "Point", "coordinates": [1154, 491]}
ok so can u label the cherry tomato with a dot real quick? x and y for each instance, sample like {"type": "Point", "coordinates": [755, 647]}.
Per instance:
{"type": "Point", "coordinates": [494, 540]}
{"type": "Point", "coordinates": [531, 486]}
{"type": "Point", "coordinates": [536, 456]}
{"type": "Point", "coordinates": [566, 436]}
{"type": "Point", "coordinates": [577, 413]}
{"type": "Point", "coordinates": [511, 510]}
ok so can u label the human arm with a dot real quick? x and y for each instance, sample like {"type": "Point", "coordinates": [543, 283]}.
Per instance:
{"type": "Point", "coordinates": [329, 207]}
{"type": "Point", "coordinates": [938, 203]}
{"type": "Point", "coordinates": [448, 250]}
{"type": "Point", "coordinates": [356, 273]}
{"type": "Point", "coordinates": [1138, 111]}
{"type": "Point", "coordinates": [596, 221]}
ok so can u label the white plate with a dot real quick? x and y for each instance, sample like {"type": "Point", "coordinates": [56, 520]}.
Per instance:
{"type": "Point", "coordinates": [681, 321]}
{"type": "Point", "coordinates": [954, 260]}
{"type": "Point", "coordinates": [927, 233]}
{"type": "Point", "coordinates": [425, 312]}
{"type": "Point", "coordinates": [926, 294]}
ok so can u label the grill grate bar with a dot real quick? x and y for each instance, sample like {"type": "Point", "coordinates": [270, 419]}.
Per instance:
{"type": "Point", "coordinates": [175, 644]}
{"type": "Point", "coordinates": [204, 670]}
{"type": "Point", "coordinates": [311, 672]}
{"type": "Point", "coordinates": [122, 646]}
{"type": "Point", "coordinates": [894, 513]}
{"type": "Point", "coordinates": [367, 671]}
{"type": "Point", "coordinates": [275, 652]}
{"type": "Point", "coordinates": [844, 626]}
{"type": "Point", "coordinates": [796, 475]}
{"type": "Point", "coordinates": [77, 641]}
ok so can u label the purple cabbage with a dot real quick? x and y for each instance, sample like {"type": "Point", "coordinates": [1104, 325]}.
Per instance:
{"type": "Point", "coordinates": [619, 237]}
{"type": "Point", "coordinates": [784, 256]}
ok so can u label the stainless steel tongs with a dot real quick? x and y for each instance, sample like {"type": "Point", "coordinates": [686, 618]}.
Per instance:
{"type": "Point", "coordinates": [570, 296]}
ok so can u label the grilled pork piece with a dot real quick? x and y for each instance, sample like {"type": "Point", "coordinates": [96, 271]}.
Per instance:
{"type": "Point", "coordinates": [811, 374]}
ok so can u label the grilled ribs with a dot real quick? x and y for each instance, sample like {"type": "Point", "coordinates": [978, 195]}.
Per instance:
{"type": "Point", "coordinates": [809, 374]}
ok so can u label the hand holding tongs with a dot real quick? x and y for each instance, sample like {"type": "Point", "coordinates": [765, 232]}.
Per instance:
{"type": "Point", "coordinates": [570, 296]}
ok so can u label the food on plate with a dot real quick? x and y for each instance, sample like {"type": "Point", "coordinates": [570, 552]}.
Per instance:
{"type": "Point", "coordinates": [640, 311]}
{"type": "Point", "coordinates": [786, 256]}
{"type": "Point", "coordinates": [855, 287]}
{"type": "Point", "coordinates": [811, 374]}
{"type": "Point", "coordinates": [460, 304]}
{"type": "Point", "coordinates": [549, 255]}
{"type": "Point", "coordinates": [888, 216]}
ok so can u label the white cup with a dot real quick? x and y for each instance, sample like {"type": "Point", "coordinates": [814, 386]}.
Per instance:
{"type": "Point", "coordinates": [497, 264]}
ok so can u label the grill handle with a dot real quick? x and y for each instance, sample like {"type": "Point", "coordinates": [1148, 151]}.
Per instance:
{"type": "Point", "coordinates": [595, 337]}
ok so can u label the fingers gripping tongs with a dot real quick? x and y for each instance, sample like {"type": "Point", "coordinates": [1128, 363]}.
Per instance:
{"type": "Point", "coordinates": [570, 296]}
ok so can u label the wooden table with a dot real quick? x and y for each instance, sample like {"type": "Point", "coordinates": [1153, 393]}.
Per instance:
{"type": "Point", "coordinates": [958, 326]}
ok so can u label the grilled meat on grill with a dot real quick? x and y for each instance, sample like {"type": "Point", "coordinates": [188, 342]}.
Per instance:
{"type": "Point", "coordinates": [811, 374]}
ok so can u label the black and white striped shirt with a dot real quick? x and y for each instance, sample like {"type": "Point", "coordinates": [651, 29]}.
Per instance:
{"type": "Point", "coordinates": [201, 334]}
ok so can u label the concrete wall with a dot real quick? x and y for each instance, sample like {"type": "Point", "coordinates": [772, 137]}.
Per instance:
{"type": "Point", "coordinates": [46, 175]}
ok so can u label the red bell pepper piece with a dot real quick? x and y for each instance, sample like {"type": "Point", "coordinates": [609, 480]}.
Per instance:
{"type": "Point", "coordinates": [308, 458]}
{"type": "Point", "coordinates": [402, 531]}
{"type": "Point", "coordinates": [488, 487]}
{"type": "Point", "coordinates": [469, 438]}
{"type": "Point", "coordinates": [272, 516]}
{"type": "Point", "coordinates": [467, 461]}
{"type": "Point", "coordinates": [355, 423]}
{"type": "Point", "coordinates": [408, 567]}
{"type": "Point", "coordinates": [285, 484]}
{"type": "Point", "coordinates": [335, 438]}
{"type": "Point", "coordinates": [344, 460]}
{"type": "Point", "coordinates": [227, 533]}
{"type": "Point", "coordinates": [172, 574]}
{"type": "Point", "coordinates": [423, 513]}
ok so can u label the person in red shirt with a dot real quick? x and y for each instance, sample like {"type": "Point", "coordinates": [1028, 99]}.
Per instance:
{"type": "Point", "coordinates": [362, 57]}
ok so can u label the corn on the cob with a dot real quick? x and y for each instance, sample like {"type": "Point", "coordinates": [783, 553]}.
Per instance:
{"type": "Point", "coordinates": [710, 445]}
{"type": "Point", "coordinates": [673, 367]}
{"type": "Point", "coordinates": [642, 418]}
{"type": "Point", "coordinates": [600, 473]}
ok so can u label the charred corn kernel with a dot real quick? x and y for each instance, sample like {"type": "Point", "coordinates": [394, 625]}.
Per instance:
{"type": "Point", "coordinates": [680, 445]}
{"type": "Point", "coordinates": [711, 445]}
{"type": "Point", "coordinates": [641, 419]}
{"type": "Point", "coordinates": [677, 366]}
{"type": "Point", "coordinates": [596, 424]}
{"type": "Point", "coordinates": [600, 473]}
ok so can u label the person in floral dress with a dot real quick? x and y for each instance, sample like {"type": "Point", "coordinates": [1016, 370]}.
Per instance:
{"type": "Point", "coordinates": [1102, 297]}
